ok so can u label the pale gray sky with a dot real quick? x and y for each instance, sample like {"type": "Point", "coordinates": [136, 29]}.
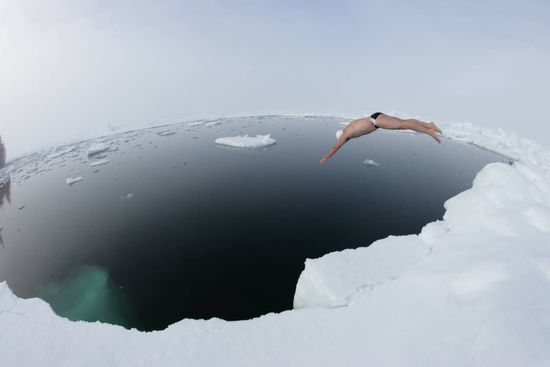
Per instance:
{"type": "Point", "coordinates": [69, 68]}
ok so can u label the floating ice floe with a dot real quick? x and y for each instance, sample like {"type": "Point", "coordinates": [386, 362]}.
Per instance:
{"type": "Point", "coordinates": [72, 180]}
{"type": "Point", "coordinates": [58, 152]}
{"type": "Point", "coordinates": [259, 141]}
{"type": "Point", "coordinates": [371, 163]}
{"type": "Point", "coordinates": [196, 123]}
{"type": "Point", "coordinates": [166, 133]}
{"type": "Point", "coordinates": [97, 148]}
{"type": "Point", "coordinates": [4, 177]}
{"type": "Point", "coordinates": [127, 196]}
{"type": "Point", "coordinates": [99, 162]}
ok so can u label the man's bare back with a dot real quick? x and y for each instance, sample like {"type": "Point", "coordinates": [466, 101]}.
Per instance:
{"type": "Point", "coordinates": [367, 125]}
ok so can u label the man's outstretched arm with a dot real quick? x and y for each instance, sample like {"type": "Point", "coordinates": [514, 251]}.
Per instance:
{"type": "Point", "coordinates": [341, 141]}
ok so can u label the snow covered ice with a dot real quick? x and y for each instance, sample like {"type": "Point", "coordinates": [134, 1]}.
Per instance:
{"type": "Point", "coordinates": [213, 123]}
{"type": "Point", "coordinates": [4, 177]}
{"type": "Point", "coordinates": [58, 152]}
{"type": "Point", "coordinates": [470, 290]}
{"type": "Point", "coordinates": [259, 141]}
{"type": "Point", "coordinates": [72, 180]}
{"type": "Point", "coordinates": [370, 163]}
{"type": "Point", "coordinates": [196, 123]}
{"type": "Point", "coordinates": [99, 162]}
{"type": "Point", "coordinates": [97, 148]}
{"type": "Point", "coordinates": [165, 133]}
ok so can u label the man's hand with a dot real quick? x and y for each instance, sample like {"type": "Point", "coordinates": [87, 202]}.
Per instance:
{"type": "Point", "coordinates": [341, 141]}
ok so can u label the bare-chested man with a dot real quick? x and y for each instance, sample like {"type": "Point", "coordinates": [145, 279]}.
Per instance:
{"type": "Point", "coordinates": [367, 125]}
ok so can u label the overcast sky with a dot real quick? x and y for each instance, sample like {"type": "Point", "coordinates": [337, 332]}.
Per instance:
{"type": "Point", "coordinates": [69, 68]}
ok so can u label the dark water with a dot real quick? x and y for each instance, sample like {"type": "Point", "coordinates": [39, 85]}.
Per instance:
{"type": "Point", "coordinates": [176, 227]}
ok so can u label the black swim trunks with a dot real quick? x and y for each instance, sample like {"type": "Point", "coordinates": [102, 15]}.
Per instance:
{"type": "Point", "coordinates": [373, 118]}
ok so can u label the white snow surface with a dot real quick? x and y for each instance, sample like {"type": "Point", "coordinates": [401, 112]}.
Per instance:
{"type": "Point", "coordinates": [100, 162]}
{"type": "Point", "coordinates": [72, 180]}
{"type": "Point", "coordinates": [371, 163]}
{"type": "Point", "coordinates": [58, 152]}
{"type": "Point", "coordinates": [470, 290]}
{"type": "Point", "coordinates": [166, 133]}
{"type": "Point", "coordinates": [259, 141]}
{"type": "Point", "coordinates": [97, 148]}
{"type": "Point", "coordinates": [4, 177]}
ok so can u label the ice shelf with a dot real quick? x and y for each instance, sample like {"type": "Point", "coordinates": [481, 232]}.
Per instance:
{"type": "Point", "coordinates": [470, 290]}
{"type": "Point", "coordinates": [259, 141]}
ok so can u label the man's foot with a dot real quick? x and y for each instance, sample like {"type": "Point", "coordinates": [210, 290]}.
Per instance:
{"type": "Point", "coordinates": [434, 127]}
{"type": "Point", "coordinates": [434, 135]}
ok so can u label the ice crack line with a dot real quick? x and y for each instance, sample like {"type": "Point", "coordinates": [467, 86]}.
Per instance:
{"type": "Point", "coordinates": [366, 289]}
{"type": "Point", "coordinates": [21, 315]}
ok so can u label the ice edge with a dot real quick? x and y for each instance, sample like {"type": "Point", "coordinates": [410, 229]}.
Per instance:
{"type": "Point", "coordinates": [533, 164]}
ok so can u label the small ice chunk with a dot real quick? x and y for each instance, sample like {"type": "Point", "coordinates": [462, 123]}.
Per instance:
{"type": "Point", "coordinates": [72, 180]}
{"type": "Point", "coordinates": [20, 207]}
{"type": "Point", "coordinates": [127, 196]}
{"type": "Point", "coordinates": [166, 133]}
{"type": "Point", "coordinates": [371, 163]}
{"type": "Point", "coordinates": [99, 162]}
{"type": "Point", "coordinates": [246, 141]}
{"type": "Point", "coordinates": [213, 123]}
{"type": "Point", "coordinates": [339, 134]}
{"type": "Point", "coordinates": [96, 149]}
{"type": "Point", "coordinates": [196, 123]}
{"type": "Point", "coordinates": [58, 152]}
{"type": "Point", "coordinates": [4, 178]}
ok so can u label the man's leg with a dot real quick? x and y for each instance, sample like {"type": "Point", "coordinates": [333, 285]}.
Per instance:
{"type": "Point", "coordinates": [429, 125]}
{"type": "Point", "coordinates": [409, 125]}
{"type": "Point", "coordinates": [395, 123]}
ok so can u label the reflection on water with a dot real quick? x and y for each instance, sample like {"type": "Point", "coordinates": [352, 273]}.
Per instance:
{"type": "Point", "coordinates": [4, 176]}
{"type": "Point", "coordinates": [2, 154]}
{"type": "Point", "coordinates": [87, 294]}
{"type": "Point", "coordinates": [4, 183]}
{"type": "Point", "coordinates": [178, 227]}
{"type": "Point", "coordinates": [5, 192]}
